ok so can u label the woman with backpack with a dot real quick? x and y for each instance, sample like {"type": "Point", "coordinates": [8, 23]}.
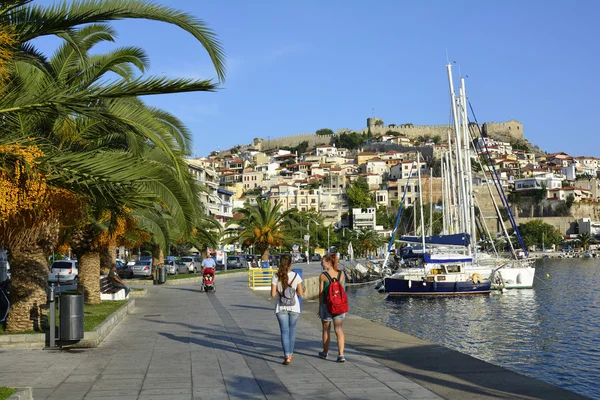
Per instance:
{"type": "Point", "coordinates": [333, 304]}
{"type": "Point", "coordinates": [286, 286]}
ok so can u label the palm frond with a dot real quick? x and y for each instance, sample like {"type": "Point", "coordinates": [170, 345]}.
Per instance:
{"type": "Point", "coordinates": [35, 21]}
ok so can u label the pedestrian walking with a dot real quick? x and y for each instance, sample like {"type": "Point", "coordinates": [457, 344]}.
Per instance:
{"type": "Point", "coordinates": [329, 263]}
{"type": "Point", "coordinates": [286, 287]}
{"type": "Point", "coordinates": [208, 262]}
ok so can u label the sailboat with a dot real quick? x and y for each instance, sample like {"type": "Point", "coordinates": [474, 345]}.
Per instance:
{"type": "Point", "coordinates": [429, 272]}
{"type": "Point", "coordinates": [460, 225]}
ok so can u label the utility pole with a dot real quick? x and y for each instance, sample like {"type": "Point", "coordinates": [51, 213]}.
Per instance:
{"type": "Point", "coordinates": [307, 243]}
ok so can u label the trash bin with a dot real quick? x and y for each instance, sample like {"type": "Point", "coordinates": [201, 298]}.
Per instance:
{"type": "Point", "coordinates": [299, 272]}
{"type": "Point", "coordinates": [71, 317]}
{"type": "Point", "coordinates": [3, 271]}
{"type": "Point", "coordinates": [162, 275]}
{"type": "Point", "coordinates": [265, 264]}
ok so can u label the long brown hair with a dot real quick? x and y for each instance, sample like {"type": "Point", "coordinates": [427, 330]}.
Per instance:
{"type": "Point", "coordinates": [285, 261]}
{"type": "Point", "coordinates": [333, 260]}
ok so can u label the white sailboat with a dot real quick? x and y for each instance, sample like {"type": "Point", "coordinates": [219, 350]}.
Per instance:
{"type": "Point", "coordinates": [459, 219]}
{"type": "Point", "coordinates": [510, 273]}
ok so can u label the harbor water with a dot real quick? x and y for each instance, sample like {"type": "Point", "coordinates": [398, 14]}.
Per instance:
{"type": "Point", "coordinates": [550, 332]}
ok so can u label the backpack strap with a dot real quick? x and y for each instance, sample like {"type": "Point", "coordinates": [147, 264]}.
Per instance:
{"type": "Point", "coordinates": [328, 276]}
{"type": "Point", "coordinates": [339, 276]}
{"type": "Point", "coordinates": [293, 279]}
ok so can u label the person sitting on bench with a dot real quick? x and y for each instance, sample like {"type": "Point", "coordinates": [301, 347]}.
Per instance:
{"type": "Point", "coordinates": [116, 281]}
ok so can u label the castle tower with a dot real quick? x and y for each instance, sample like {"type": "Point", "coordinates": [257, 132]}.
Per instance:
{"type": "Point", "coordinates": [374, 122]}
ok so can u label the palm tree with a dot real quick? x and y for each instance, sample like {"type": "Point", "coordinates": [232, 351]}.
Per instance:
{"type": "Point", "coordinates": [62, 182]}
{"type": "Point", "coordinates": [584, 240]}
{"type": "Point", "coordinates": [368, 241]}
{"type": "Point", "coordinates": [262, 226]}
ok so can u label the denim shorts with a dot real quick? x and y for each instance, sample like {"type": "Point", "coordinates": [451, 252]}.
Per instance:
{"type": "Point", "coordinates": [326, 316]}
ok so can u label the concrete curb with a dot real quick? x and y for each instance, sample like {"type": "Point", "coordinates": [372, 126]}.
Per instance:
{"type": "Point", "coordinates": [138, 293]}
{"type": "Point", "coordinates": [24, 393]}
{"type": "Point", "coordinates": [23, 341]}
{"type": "Point", "coordinates": [90, 339]}
{"type": "Point", "coordinates": [96, 336]}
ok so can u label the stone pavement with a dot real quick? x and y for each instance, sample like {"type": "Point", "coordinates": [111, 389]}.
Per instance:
{"type": "Point", "coordinates": [183, 344]}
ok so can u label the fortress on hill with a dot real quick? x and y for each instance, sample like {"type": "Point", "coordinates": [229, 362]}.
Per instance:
{"type": "Point", "coordinates": [509, 131]}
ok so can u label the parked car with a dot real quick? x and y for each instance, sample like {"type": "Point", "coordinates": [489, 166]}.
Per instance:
{"type": "Point", "coordinates": [63, 271]}
{"type": "Point", "coordinates": [175, 267]}
{"type": "Point", "coordinates": [124, 270]}
{"type": "Point", "coordinates": [315, 257]}
{"type": "Point", "coordinates": [234, 262]}
{"type": "Point", "coordinates": [298, 257]}
{"type": "Point", "coordinates": [192, 263]}
{"type": "Point", "coordinates": [252, 259]}
{"type": "Point", "coordinates": [142, 268]}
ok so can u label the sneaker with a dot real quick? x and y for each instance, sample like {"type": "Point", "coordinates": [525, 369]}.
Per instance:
{"type": "Point", "coordinates": [341, 359]}
{"type": "Point", "coordinates": [323, 355]}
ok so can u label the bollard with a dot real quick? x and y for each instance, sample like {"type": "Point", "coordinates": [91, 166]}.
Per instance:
{"type": "Point", "coordinates": [52, 317]}
{"type": "Point", "coordinates": [299, 272]}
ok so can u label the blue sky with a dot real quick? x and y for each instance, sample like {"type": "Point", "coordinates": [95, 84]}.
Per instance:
{"type": "Point", "coordinates": [295, 67]}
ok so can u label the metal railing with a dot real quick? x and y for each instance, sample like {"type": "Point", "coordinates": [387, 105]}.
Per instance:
{"type": "Point", "coordinates": [260, 278]}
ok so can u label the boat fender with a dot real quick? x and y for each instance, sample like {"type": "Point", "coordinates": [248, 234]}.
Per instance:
{"type": "Point", "coordinates": [381, 289]}
{"type": "Point", "coordinates": [409, 284]}
{"type": "Point", "coordinates": [434, 285]}
{"type": "Point", "coordinates": [476, 278]}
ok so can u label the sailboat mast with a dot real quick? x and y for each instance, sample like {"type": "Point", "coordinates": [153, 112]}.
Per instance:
{"type": "Point", "coordinates": [468, 169]}
{"type": "Point", "coordinates": [459, 158]}
{"type": "Point", "coordinates": [421, 202]}
{"type": "Point", "coordinates": [443, 185]}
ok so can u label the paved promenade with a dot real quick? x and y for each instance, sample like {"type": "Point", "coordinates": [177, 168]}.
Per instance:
{"type": "Point", "coordinates": [183, 344]}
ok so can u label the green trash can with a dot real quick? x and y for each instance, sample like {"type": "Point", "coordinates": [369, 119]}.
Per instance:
{"type": "Point", "coordinates": [71, 317]}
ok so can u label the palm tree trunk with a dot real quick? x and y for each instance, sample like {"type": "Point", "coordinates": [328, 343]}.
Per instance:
{"type": "Point", "coordinates": [158, 258]}
{"type": "Point", "coordinates": [108, 256]}
{"type": "Point", "coordinates": [264, 255]}
{"type": "Point", "coordinates": [89, 276]}
{"type": "Point", "coordinates": [29, 270]}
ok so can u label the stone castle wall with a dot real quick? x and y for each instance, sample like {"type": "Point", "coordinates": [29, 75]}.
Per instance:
{"type": "Point", "coordinates": [292, 141]}
{"type": "Point", "coordinates": [506, 131]}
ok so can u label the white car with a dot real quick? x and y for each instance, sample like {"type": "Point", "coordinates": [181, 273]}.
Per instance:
{"type": "Point", "coordinates": [63, 271]}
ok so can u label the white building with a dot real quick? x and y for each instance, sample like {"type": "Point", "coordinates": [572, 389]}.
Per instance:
{"type": "Point", "coordinates": [550, 181]}
{"type": "Point", "coordinates": [363, 218]}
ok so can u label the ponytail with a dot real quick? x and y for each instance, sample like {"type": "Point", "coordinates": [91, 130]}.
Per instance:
{"type": "Point", "coordinates": [284, 266]}
{"type": "Point", "coordinates": [331, 258]}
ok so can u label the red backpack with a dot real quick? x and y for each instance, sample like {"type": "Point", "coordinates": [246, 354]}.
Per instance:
{"type": "Point", "coordinates": [336, 300]}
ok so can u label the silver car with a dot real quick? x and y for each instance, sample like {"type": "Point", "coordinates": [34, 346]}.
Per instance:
{"type": "Point", "coordinates": [192, 263]}
{"type": "Point", "coordinates": [142, 268]}
{"type": "Point", "coordinates": [63, 271]}
{"type": "Point", "coordinates": [175, 267]}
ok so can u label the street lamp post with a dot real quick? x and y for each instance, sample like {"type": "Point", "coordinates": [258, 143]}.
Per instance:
{"type": "Point", "coordinates": [307, 244]}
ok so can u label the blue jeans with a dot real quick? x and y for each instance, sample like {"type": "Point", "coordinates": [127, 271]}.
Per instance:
{"type": "Point", "coordinates": [121, 286]}
{"type": "Point", "coordinates": [287, 324]}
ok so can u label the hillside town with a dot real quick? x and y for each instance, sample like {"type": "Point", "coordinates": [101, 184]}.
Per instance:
{"type": "Point", "coordinates": [318, 178]}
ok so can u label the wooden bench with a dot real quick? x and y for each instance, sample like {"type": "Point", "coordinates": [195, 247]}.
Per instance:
{"type": "Point", "coordinates": [108, 291]}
